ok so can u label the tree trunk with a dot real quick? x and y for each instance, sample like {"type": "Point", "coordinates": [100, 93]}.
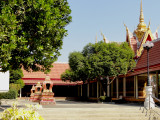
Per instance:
{"type": "Point", "coordinates": [104, 83]}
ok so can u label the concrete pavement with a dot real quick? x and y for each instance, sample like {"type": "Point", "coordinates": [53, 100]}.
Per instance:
{"type": "Point", "coordinates": [72, 110]}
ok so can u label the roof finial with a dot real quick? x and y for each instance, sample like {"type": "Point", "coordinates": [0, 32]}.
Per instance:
{"type": "Point", "coordinates": [104, 38]}
{"type": "Point", "coordinates": [141, 19]}
{"type": "Point", "coordinates": [149, 24]}
{"type": "Point", "coordinates": [125, 26]}
{"type": "Point", "coordinates": [96, 38]}
{"type": "Point", "coordinates": [141, 26]}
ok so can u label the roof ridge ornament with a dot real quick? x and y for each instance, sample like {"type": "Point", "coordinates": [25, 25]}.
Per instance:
{"type": "Point", "coordinates": [104, 38]}
{"type": "Point", "coordinates": [149, 25]}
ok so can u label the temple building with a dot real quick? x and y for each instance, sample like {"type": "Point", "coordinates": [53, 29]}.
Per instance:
{"type": "Point", "coordinates": [130, 87]}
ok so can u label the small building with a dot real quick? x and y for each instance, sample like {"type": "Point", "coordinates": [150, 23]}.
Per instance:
{"type": "Point", "coordinates": [60, 88]}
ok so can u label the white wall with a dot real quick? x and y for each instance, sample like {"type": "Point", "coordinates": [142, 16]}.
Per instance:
{"type": "Point", "coordinates": [4, 81]}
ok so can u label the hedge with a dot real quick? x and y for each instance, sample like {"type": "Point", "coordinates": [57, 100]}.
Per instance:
{"type": "Point", "coordinates": [11, 94]}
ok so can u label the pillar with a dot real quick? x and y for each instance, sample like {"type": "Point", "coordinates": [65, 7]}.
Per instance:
{"type": "Point", "coordinates": [136, 87]}
{"type": "Point", "coordinates": [97, 89]}
{"type": "Point", "coordinates": [20, 92]}
{"type": "Point", "coordinates": [108, 88]}
{"type": "Point", "coordinates": [124, 87]}
{"type": "Point", "coordinates": [136, 80]}
{"type": "Point", "coordinates": [88, 90]}
{"type": "Point", "coordinates": [81, 90]}
{"type": "Point", "coordinates": [157, 79]}
{"type": "Point", "coordinates": [117, 87]}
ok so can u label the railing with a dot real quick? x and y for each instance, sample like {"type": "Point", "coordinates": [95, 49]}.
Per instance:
{"type": "Point", "coordinates": [152, 113]}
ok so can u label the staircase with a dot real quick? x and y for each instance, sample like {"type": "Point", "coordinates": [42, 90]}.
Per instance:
{"type": "Point", "coordinates": [93, 112]}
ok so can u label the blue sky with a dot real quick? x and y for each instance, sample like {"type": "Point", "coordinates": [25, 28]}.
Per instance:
{"type": "Point", "coordinates": [90, 17]}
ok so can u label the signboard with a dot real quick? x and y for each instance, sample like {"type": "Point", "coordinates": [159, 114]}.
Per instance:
{"type": "Point", "coordinates": [4, 81]}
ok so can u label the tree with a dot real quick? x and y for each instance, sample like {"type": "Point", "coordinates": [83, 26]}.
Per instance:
{"type": "Point", "coordinates": [99, 62]}
{"type": "Point", "coordinates": [31, 33]}
{"type": "Point", "coordinates": [15, 77]}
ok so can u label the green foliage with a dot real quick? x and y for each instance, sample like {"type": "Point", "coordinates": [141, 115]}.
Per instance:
{"type": "Point", "coordinates": [15, 113]}
{"type": "Point", "coordinates": [15, 77]}
{"type": "Point", "coordinates": [11, 94]}
{"type": "Point", "coordinates": [31, 33]}
{"type": "Point", "coordinates": [99, 61]}
{"type": "Point", "coordinates": [102, 98]}
{"type": "Point", "coordinates": [15, 87]}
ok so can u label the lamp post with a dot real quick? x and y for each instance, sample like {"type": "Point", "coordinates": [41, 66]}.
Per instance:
{"type": "Point", "coordinates": [149, 103]}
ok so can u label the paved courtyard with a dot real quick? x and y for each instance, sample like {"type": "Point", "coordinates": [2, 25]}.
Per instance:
{"type": "Point", "coordinates": [72, 110]}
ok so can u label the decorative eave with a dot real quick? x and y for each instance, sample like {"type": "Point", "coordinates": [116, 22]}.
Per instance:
{"type": "Point", "coordinates": [147, 34]}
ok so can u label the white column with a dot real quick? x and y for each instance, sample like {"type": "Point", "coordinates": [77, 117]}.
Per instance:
{"type": "Point", "coordinates": [149, 103]}
{"type": "Point", "coordinates": [117, 87]}
{"type": "Point", "coordinates": [108, 88]}
{"type": "Point", "coordinates": [157, 84]}
{"type": "Point", "coordinates": [20, 92]}
{"type": "Point", "coordinates": [124, 87]}
{"type": "Point", "coordinates": [134, 86]}
{"type": "Point", "coordinates": [88, 90]}
{"type": "Point", "coordinates": [97, 89]}
{"type": "Point", "coordinates": [136, 80]}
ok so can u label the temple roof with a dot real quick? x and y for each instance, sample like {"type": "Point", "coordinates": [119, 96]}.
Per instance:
{"type": "Point", "coordinates": [56, 71]}
{"type": "Point", "coordinates": [154, 56]}
{"type": "Point", "coordinates": [154, 60]}
{"type": "Point", "coordinates": [142, 34]}
{"type": "Point", "coordinates": [31, 78]}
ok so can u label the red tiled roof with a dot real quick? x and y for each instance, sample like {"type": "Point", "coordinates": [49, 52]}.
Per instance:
{"type": "Point", "coordinates": [154, 60]}
{"type": "Point", "coordinates": [31, 78]}
{"type": "Point", "coordinates": [56, 71]}
{"type": "Point", "coordinates": [134, 44]}
{"type": "Point", "coordinates": [154, 56]}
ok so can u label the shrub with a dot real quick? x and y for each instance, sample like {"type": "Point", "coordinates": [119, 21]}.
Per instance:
{"type": "Point", "coordinates": [11, 94]}
{"type": "Point", "coordinates": [102, 98]}
{"type": "Point", "coordinates": [15, 113]}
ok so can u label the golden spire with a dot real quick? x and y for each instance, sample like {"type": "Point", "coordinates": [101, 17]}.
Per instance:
{"type": "Point", "coordinates": [141, 28]}
{"type": "Point", "coordinates": [141, 18]}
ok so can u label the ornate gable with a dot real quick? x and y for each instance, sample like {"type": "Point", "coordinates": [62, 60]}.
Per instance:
{"type": "Point", "coordinates": [139, 36]}
{"type": "Point", "coordinates": [148, 36]}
